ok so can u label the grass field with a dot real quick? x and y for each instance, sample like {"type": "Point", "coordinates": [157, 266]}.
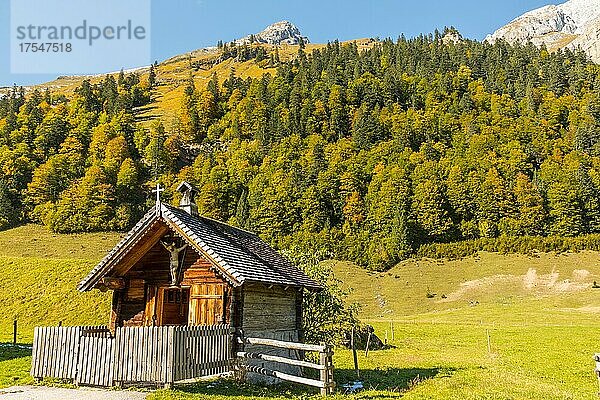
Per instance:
{"type": "Point", "coordinates": [540, 314]}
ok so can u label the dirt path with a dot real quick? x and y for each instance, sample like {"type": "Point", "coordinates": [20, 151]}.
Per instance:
{"type": "Point", "coordinates": [53, 393]}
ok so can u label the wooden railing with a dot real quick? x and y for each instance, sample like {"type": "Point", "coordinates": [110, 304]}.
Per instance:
{"type": "Point", "coordinates": [325, 366]}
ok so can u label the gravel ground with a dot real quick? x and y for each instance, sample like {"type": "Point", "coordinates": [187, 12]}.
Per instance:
{"type": "Point", "coordinates": [54, 393]}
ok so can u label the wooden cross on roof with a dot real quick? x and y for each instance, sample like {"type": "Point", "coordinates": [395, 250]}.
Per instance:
{"type": "Point", "coordinates": [158, 190]}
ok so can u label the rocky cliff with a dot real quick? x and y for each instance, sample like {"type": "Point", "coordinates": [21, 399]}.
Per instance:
{"type": "Point", "coordinates": [574, 24]}
{"type": "Point", "coordinates": [283, 32]}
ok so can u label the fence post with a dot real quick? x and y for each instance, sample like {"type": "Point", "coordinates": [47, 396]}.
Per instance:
{"type": "Point", "coordinates": [15, 331]}
{"type": "Point", "coordinates": [354, 355]}
{"type": "Point", "coordinates": [331, 380]}
{"type": "Point", "coordinates": [239, 369]}
{"type": "Point", "coordinates": [324, 373]}
{"type": "Point", "coordinates": [326, 360]}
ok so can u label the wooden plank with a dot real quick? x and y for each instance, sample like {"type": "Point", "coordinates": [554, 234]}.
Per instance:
{"type": "Point", "coordinates": [35, 348]}
{"type": "Point", "coordinates": [60, 353]}
{"type": "Point", "coordinates": [51, 356]}
{"type": "Point", "coordinates": [139, 353]}
{"type": "Point", "coordinates": [75, 352]}
{"type": "Point", "coordinates": [179, 355]}
{"type": "Point", "coordinates": [41, 352]}
{"type": "Point", "coordinates": [147, 368]}
{"type": "Point", "coordinates": [164, 355]}
{"type": "Point", "coordinates": [208, 348]}
{"type": "Point", "coordinates": [156, 366]}
{"type": "Point", "coordinates": [68, 352]}
{"type": "Point", "coordinates": [113, 283]}
{"type": "Point", "coordinates": [217, 342]}
{"type": "Point", "coordinates": [75, 340]}
{"type": "Point", "coordinates": [176, 363]}
{"type": "Point", "coordinates": [133, 356]}
{"type": "Point", "coordinates": [56, 350]}
{"type": "Point", "coordinates": [47, 351]}
{"type": "Point", "coordinates": [119, 357]}
{"type": "Point", "coordinates": [282, 344]}
{"type": "Point", "coordinates": [170, 356]}
{"type": "Point", "coordinates": [82, 367]}
{"type": "Point", "coordinates": [142, 353]}
{"type": "Point", "coordinates": [284, 376]}
{"type": "Point", "coordinates": [283, 360]}
{"type": "Point", "coordinates": [126, 352]}
{"type": "Point", "coordinates": [213, 343]}
{"type": "Point", "coordinates": [160, 345]}
{"type": "Point", "coordinates": [200, 351]}
{"type": "Point", "coordinates": [101, 350]}
{"type": "Point", "coordinates": [193, 351]}
{"type": "Point", "coordinates": [108, 380]}
{"type": "Point", "coordinates": [181, 347]}
{"type": "Point", "coordinates": [91, 360]}
{"type": "Point", "coordinates": [125, 348]}
{"type": "Point", "coordinates": [116, 358]}
{"type": "Point", "coordinates": [96, 363]}
{"type": "Point", "coordinates": [139, 250]}
{"type": "Point", "coordinates": [130, 355]}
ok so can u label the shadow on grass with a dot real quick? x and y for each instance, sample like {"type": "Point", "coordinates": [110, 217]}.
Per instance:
{"type": "Point", "coordinates": [395, 380]}
{"type": "Point", "coordinates": [232, 389]}
{"type": "Point", "coordinates": [8, 351]}
{"type": "Point", "coordinates": [389, 379]}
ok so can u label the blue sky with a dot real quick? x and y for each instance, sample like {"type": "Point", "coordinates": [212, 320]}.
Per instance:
{"type": "Point", "coordinates": [179, 26]}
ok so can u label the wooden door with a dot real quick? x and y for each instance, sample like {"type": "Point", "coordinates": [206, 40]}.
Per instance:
{"type": "Point", "coordinates": [173, 306]}
{"type": "Point", "coordinates": [207, 304]}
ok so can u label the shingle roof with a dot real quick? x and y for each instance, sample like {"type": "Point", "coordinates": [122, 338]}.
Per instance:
{"type": "Point", "coordinates": [240, 255]}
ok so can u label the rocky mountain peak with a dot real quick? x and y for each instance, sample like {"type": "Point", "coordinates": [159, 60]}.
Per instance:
{"type": "Point", "coordinates": [282, 32]}
{"type": "Point", "coordinates": [574, 24]}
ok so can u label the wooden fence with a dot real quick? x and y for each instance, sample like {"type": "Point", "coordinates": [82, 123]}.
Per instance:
{"type": "Point", "coordinates": [162, 355]}
{"type": "Point", "coordinates": [325, 366]}
{"type": "Point", "coordinates": [157, 355]}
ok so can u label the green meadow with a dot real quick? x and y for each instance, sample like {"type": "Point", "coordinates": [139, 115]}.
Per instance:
{"type": "Point", "coordinates": [490, 326]}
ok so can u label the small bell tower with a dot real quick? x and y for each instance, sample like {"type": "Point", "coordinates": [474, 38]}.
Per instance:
{"type": "Point", "coordinates": [188, 198]}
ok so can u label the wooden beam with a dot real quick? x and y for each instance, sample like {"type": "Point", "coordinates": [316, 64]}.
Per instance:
{"type": "Point", "coordinates": [284, 345]}
{"type": "Point", "coordinates": [285, 377]}
{"type": "Point", "coordinates": [140, 249]}
{"type": "Point", "coordinates": [113, 283]}
{"type": "Point", "coordinates": [283, 360]}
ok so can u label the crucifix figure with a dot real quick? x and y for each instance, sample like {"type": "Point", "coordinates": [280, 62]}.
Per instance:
{"type": "Point", "coordinates": [174, 260]}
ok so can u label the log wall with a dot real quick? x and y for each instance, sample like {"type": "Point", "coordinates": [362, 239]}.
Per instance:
{"type": "Point", "coordinates": [271, 313]}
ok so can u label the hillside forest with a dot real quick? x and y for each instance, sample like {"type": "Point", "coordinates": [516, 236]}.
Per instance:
{"type": "Point", "coordinates": [367, 155]}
